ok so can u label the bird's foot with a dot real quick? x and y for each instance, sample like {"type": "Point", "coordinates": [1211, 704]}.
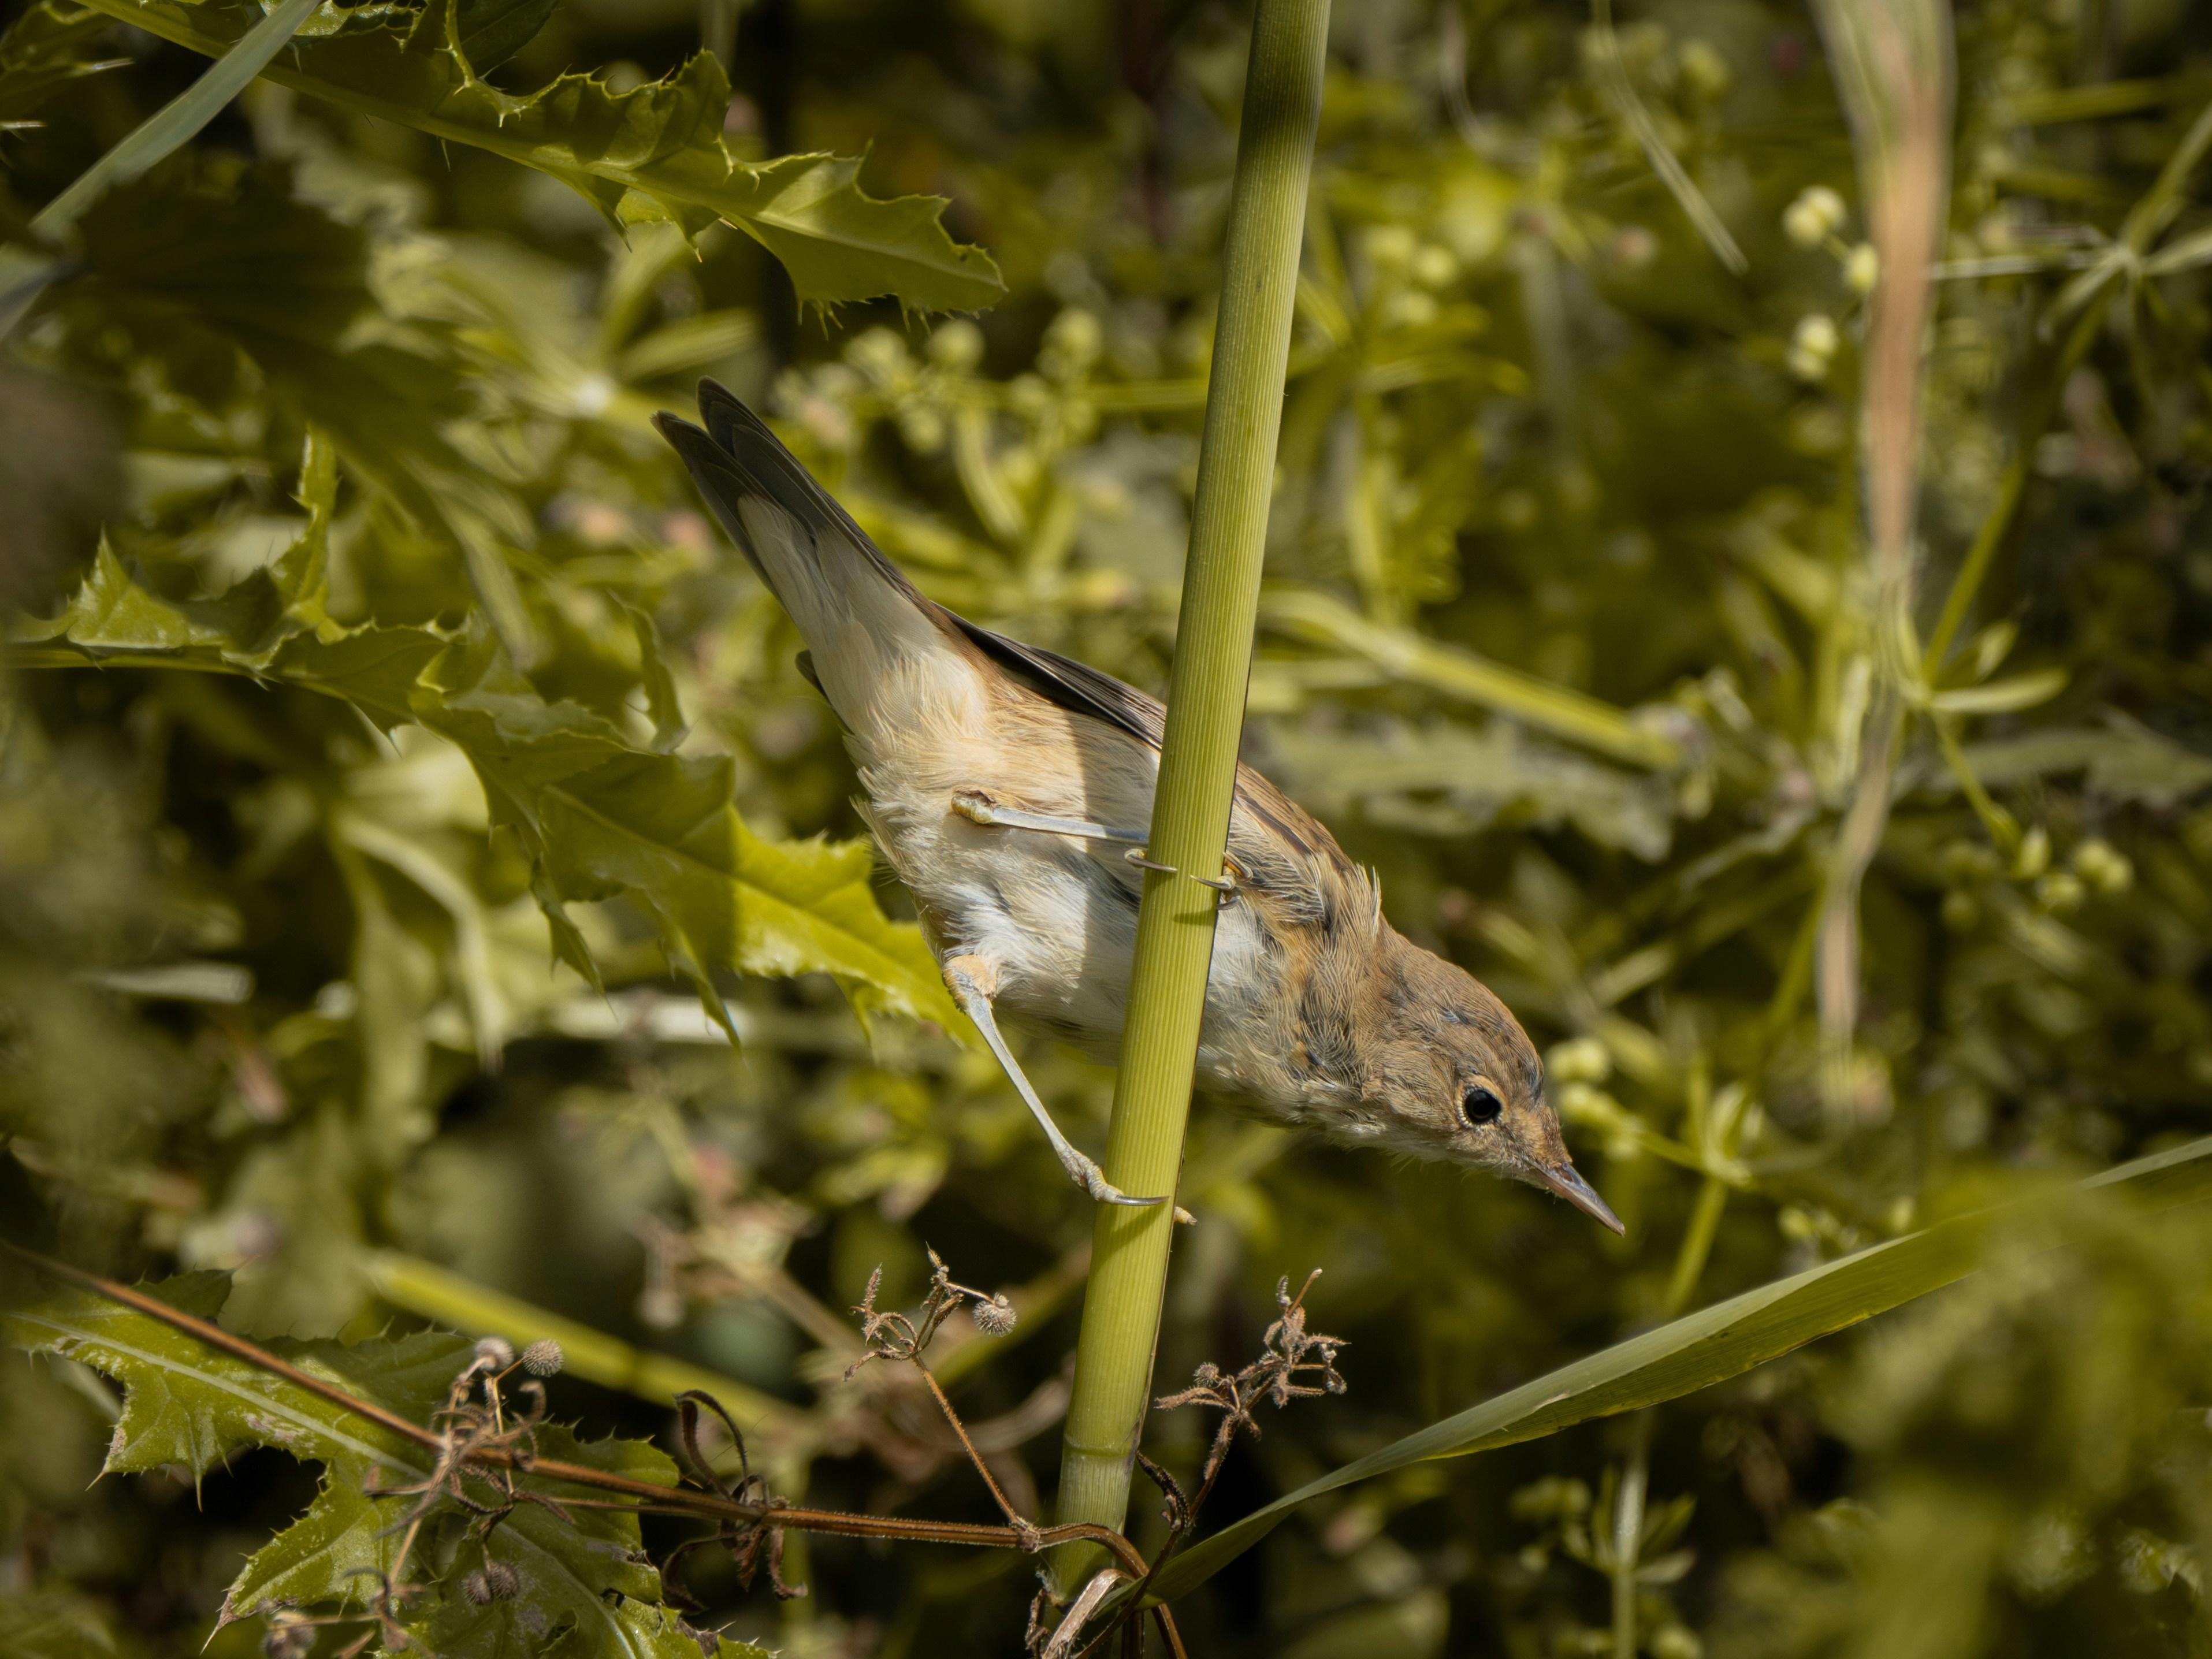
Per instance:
{"type": "Point", "coordinates": [1088, 1175]}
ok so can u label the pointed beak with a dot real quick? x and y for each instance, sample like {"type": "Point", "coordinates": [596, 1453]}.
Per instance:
{"type": "Point", "coordinates": [1562, 1179]}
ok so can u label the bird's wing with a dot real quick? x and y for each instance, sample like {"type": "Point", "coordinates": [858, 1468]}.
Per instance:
{"type": "Point", "coordinates": [1283, 847]}
{"type": "Point", "coordinates": [1072, 685]}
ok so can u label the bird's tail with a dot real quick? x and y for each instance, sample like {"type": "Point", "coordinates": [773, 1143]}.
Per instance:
{"type": "Point", "coordinates": [869, 633]}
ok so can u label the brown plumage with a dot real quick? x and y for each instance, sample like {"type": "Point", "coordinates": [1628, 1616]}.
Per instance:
{"type": "Point", "coordinates": [1008, 787]}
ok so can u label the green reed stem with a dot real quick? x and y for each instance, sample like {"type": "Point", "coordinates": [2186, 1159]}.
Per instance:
{"type": "Point", "coordinates": [1198, 765]}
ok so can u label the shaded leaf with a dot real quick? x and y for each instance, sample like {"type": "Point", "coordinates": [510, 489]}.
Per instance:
{"type": "Point", "coordinates": [177, 121]}
{"type": "Point", "coordinates": [654, 152]}
{"type": "Point", "coordinates": [44, 49]}
{"type": "Point", "coordinates": [1449, 779]}
{"type": "Point", "coordinates": [2125, 760]}
{"type": "Point", "coordinates": [1706, 1347]}
{"type": "Point", "coordinates": [186, 1403]}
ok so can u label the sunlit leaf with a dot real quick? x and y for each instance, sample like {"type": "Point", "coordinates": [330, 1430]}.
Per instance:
{"type": "Point", "coordinates": [599, 816]}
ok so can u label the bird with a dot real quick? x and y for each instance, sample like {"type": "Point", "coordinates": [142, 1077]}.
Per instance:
{"type": "Point", "coordinates": [1010, 789]}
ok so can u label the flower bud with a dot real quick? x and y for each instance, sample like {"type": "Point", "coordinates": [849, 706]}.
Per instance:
{"type": "Point", "coordinates": [1862, 268]}
{"type": "Point", "coordinates": [1813, 347]}
{"type": "Point", "coordinates": [2103, 865]}
{"type": "Point", "coordinates": [958, 346]}
{"type": "Point", "coordinates": [1816, 216]}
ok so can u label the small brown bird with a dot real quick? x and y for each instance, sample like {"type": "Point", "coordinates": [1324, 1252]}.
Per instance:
{"type": "Point", "coordinates": [1011, 788]}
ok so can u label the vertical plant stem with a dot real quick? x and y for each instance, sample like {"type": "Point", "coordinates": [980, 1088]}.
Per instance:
{"type": "Point", "coordinates": [1990, 534]}
{"type": "Point", "coordinates": [1198, 764]}
{"type": "Point", "coordinates": [1629, 1504]}
{"type": "Point", "coordinates": [1893, 64]}
{"type": "Point", "coordinates": [1628, 1538]}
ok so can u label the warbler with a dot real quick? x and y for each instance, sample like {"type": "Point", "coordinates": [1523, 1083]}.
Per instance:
{"type": "Point", "coordinates": [1010, 789]}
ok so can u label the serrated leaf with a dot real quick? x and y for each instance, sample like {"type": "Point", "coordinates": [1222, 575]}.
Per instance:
{"type": "Point", "coordinates": [201, 261]}
{"type": "Point", "coordinates": [653, 152]}
{"type": "Point", "coordinates": [599, 817]}
{"type": "Point", "coordinates": [661, 703]}
{"type": "Point", "coordinates": [187, 1403]}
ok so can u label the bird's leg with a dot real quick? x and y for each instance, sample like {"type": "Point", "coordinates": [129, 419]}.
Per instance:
{"type": "Point", "coordinates": [979, 807]}
{"type": "Point", "coordinates": [973, 981]}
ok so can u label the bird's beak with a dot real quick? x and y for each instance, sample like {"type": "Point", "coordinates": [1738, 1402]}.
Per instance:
{"type": "Point", "coordinates": [1562, 1179]}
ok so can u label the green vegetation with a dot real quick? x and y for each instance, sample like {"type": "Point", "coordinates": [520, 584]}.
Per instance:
{"type": "Point", "coordinates": [1735, 565]}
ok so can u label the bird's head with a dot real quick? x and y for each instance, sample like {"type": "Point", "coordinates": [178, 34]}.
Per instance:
{"type": "Point", "coordinates": [1445, 1071]}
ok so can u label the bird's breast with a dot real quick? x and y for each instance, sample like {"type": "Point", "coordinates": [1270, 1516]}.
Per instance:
{"type": "Point", "coordinates": [1057, 914]}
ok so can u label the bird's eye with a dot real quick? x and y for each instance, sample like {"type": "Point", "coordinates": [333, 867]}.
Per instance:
{"type": "Point", "coordinates": [1480, 1106]}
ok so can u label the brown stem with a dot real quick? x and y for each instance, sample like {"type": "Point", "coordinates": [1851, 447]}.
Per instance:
{"type": "Point", "coordinates": [237, 1347]}
{"type": "Point", "coordinates": [702, 1505]}
{"type": "Point", "coordinates": [959, 1429]}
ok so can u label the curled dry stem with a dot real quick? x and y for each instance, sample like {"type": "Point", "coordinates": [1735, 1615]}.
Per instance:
{"type": "Point", "coordinates": [891, 1335]}
{"type": "Point", "coordinates": [487, 1448]}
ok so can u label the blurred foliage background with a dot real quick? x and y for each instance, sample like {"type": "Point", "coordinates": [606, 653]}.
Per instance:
{"type": "Point", "coordinates": [1567, 633]}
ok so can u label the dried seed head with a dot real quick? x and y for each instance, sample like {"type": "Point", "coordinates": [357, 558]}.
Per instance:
{"type": "Point", "coordinates": [503, 1580]}
{"type": "Point", "coordinates": [477, 1587]}
{"type": "Point", "coordinates": [994, 1318]}
{"type": "Point", "coordinates": [543, 1357]}
{"type": "Point", "coordinates": [496, 1352]}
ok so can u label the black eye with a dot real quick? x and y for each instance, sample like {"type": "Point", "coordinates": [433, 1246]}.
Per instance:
{"type": "Point", "coordinates": [1480, 1107]}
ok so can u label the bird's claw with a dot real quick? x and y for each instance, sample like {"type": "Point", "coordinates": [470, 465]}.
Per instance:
{"type": "Point", "coordinates": [1092, 1179]}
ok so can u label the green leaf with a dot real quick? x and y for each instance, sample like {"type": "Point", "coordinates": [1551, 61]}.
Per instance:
{"type": "Point", "coordinates": [187, 1403]}
{"type": "Point", "coordinates": [45, 49]}
{"type": "Point", "coordinates": [654, 152]}
{"type": "Point", "coordinates": [660, 700]}
{"type": "Point", "coordinates": [55, 1623]}
{"type": "Point", "coordinates": [202, 260]}
{"type": "Point", "coordinates": [599, 817]}
{"type": "Point", "coordinates": [1444, 778]}
{"type": "Point", "coordinates": [176, 122]}
{"type": "Point", "coordinates": [1709, 1346]}
{"type": "Point", "coordinates": [1554, 709]}
{"type": "Point", "coordinates": [2005, 696]}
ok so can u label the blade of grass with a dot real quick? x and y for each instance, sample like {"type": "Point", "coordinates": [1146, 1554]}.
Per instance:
{"type": "Point", "coordinates": [1458, 672]}
{"type": "Point", "coordinates": [177, 121]}
{"type": "Point", "coordinates": [1664, 162]}
{"type": "Point", "coordinates": [1709, 1347]}
{"type": "Point", "coordinates": [1892, 63]}
{"type": "Point", "coordinates": [1198, 765]}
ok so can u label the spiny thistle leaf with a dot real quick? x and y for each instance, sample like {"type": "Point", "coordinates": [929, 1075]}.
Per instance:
{"type": "Point", "coordinates": [653, 152]}
{"type": "Point", "coordinates": [599, 816]}
{"type": "Point", "coordinates": [186, 1403]}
